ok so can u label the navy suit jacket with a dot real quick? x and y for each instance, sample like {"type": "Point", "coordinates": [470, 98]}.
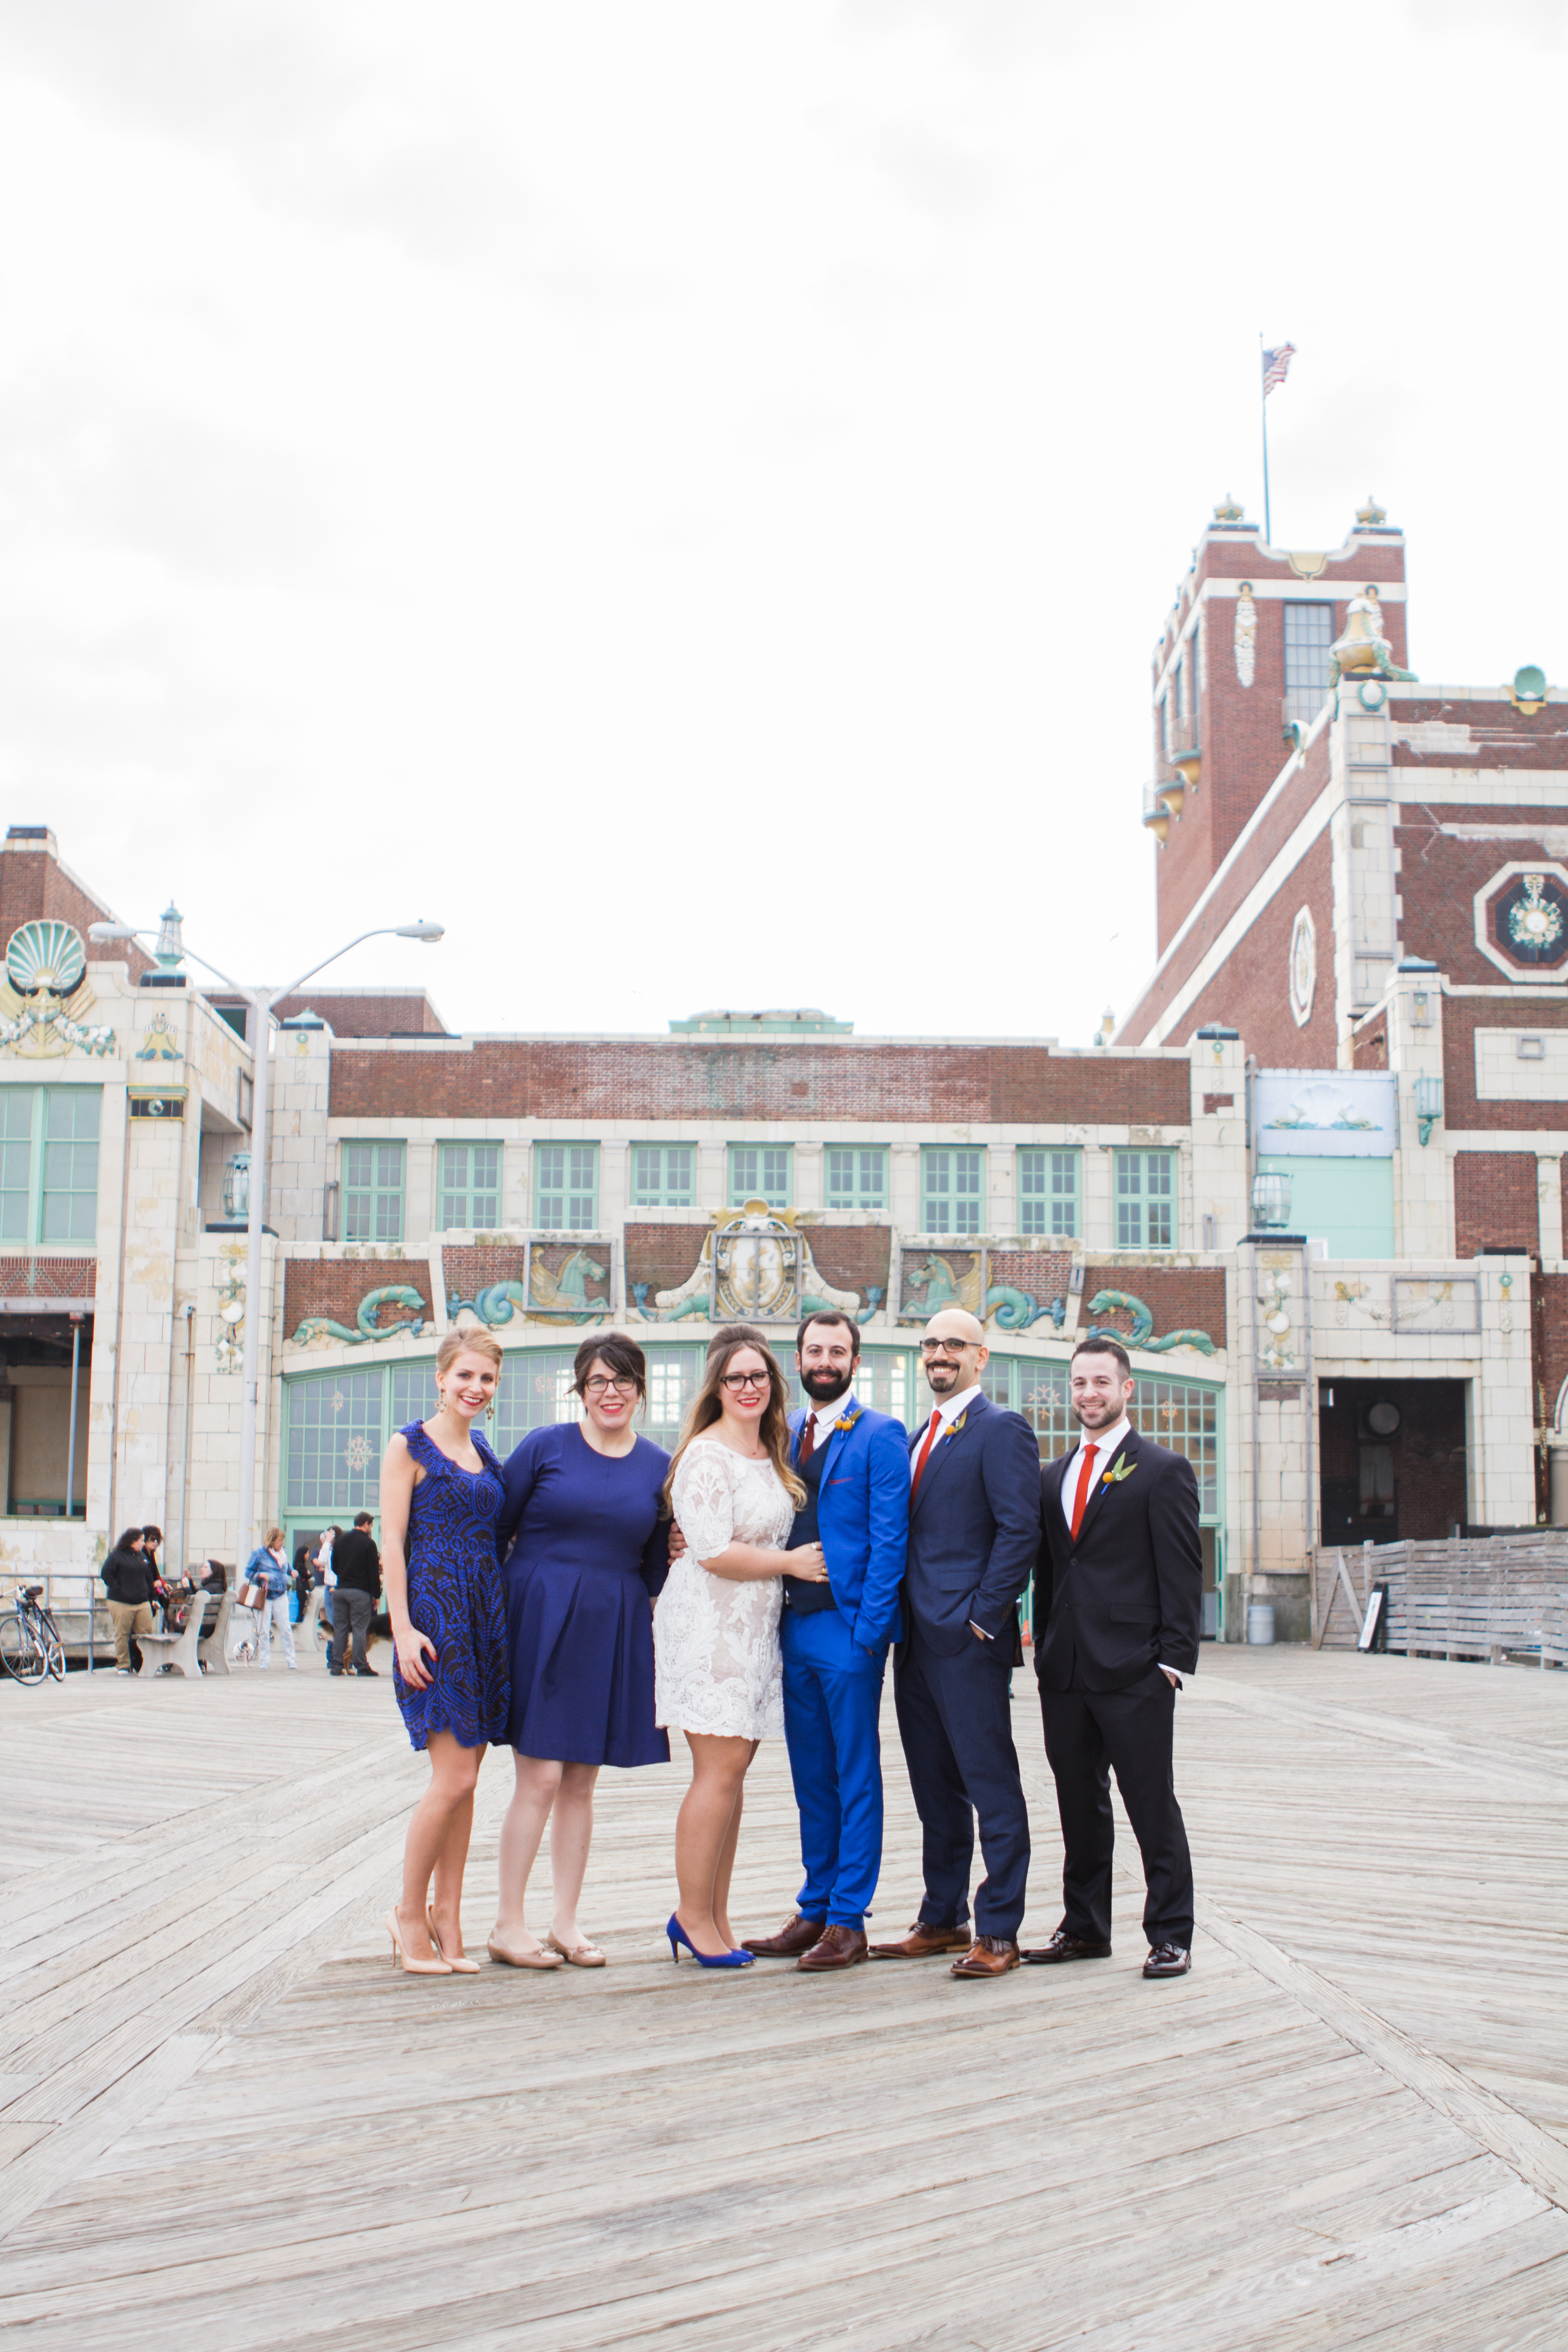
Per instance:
{"type": "Point", "coordinates": [862, 1521]}
{"type": "Point", "coordinates": [974, 1527]}
{"type": "Point", "coordinates": [1126, 1594]}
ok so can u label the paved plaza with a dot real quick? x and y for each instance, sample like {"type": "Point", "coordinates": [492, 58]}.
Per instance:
{"type": "Point", "coordinates": [226, 2121]}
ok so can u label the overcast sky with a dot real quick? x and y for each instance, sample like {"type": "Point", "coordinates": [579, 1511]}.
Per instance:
{"type": "Point", "coordinates": [685, 494]}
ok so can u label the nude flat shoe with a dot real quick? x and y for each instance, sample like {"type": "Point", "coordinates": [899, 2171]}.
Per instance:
{"type": "Point", "coordinates": [401, 1958]}
{"type": "Point", "coordinates": [459, 1966]}
{"type": "Point", "coordinates": [520, 1959]}
{"type": "Point", "coordinates": [579, 1955]}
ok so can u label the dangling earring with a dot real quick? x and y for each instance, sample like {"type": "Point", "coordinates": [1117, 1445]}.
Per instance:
{"type": "Point", "coordinates": [490, 1410]}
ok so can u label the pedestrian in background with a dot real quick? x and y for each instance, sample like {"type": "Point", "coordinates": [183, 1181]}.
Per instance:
{"type": "Point", "coordinates": [128, 1580]}
{"type": "Point", "coordinates": [269, 1565]}
{"type": "Point", "coordinates": [356, 1567]}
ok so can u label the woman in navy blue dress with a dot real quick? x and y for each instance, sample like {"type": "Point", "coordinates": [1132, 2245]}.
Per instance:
{"type": "Point", "coordinates": [441, 1493]}
{"type": "Point", "coordinates": [591, 1554]}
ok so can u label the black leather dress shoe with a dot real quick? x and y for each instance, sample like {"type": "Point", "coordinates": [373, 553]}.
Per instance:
{"type": "Point", "coordinates": [1167, 1960]}
{"type": "Point", "coordinates": [1063, 1947]}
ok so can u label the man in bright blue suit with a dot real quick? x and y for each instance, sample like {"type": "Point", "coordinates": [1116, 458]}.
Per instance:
{"type": "Point", "coordinates": [855, 1466]}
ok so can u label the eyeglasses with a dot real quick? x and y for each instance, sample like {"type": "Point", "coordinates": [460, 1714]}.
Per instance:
{"type": "Point", "coordinates": [736, 1382]}
{"type": "Point", "coordinates": [929, 1348]}
{"type": "Point", "coordinates": [598, 1384]}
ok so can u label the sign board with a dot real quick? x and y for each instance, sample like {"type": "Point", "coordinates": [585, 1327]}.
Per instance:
{"type": "Point", "coordinates": [1325, 1114]}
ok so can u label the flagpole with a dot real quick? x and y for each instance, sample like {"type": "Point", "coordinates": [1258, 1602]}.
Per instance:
{"type": "Point", "coordinates": [1263, 395]}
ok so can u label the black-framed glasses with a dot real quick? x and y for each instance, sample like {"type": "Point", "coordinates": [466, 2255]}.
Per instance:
{"type": "Point", "coordinates": [955, 1347]}
{"type": "Point", "coordinates": [736, 1382]}
{"type": "Point", "coordinates": [625, 1386]}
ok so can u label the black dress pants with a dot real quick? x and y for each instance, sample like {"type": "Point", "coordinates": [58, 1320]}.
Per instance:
{"type": "Point", "coordinates": [955, 1720]}
{"type": "Point", "coordinates": [1088, 1733]}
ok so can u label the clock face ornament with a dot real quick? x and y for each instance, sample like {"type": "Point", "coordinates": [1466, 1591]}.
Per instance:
{"type": "Point", "coordinates": [1534, 920]}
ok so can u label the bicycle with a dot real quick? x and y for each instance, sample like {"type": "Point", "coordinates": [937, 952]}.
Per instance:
{"type": "Point", "coordinates": [30, 1645]}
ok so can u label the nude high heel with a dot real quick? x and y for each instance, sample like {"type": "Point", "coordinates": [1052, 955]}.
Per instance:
{"type": "Point", "coordinates": [459, 1966]}
{"type": "Point", "coordinates": [400, 1958]}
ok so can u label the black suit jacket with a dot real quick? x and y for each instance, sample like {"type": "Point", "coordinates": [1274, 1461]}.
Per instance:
{"type": "Point", "coordinates": [1127, 1595]}
{"type": "Point", "coordinates": [974, 1528]}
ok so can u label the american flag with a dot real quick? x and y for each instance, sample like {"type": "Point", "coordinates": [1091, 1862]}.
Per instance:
{"type": "Point", "coordinates": [1276, 366]}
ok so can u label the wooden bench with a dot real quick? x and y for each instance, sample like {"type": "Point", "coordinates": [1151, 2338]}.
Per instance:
{"type": "Point", "coordinates": [1459, 1626]}
{"type": "Point", "coordinates": [198, 1646]}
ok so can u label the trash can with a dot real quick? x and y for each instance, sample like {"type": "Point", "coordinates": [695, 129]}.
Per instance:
{"type": "Point", "coordinates": [1260, 1624]}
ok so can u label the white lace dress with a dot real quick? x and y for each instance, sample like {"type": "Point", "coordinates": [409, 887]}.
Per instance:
{"type": "Point", "coordinates": [717, 1667]}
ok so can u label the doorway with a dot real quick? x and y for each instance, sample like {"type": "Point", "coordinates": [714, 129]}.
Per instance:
{"type": "Point", "coordinates": [1393, 1461]}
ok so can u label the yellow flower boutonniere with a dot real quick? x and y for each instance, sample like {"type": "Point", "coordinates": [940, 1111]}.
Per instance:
{"type": "Point", "coordinates": [848, 1420]}
{"type": "Point", "coordinates": [953, 1427]}
{"type": "Point", "coordinates": [1116, 1473]}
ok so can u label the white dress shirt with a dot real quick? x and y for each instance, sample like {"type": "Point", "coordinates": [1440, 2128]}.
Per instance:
{"type": "Point", "coordinates": [1105, 1442]}
{"type": "Point", "coordinates": [820, 1418]}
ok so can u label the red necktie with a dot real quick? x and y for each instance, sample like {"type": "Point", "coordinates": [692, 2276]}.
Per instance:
{"type": "Point", "coordinates": [1086, 1480]}
{"type": "Point", "coordinates": [925, 1454]}
{"type": "Point", "coordinates": [807, 1438]}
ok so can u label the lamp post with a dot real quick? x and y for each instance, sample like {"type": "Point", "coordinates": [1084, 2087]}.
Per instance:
{"type": "Point", "coordinates": [261, 1001]}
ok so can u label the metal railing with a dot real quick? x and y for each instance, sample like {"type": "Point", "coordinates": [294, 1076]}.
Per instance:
{"type": "Point", "coordinates": [75, 1599]}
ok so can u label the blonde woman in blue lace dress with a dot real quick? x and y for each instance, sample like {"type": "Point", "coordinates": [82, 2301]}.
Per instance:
{"type": "Point", "coordinates": [441, 1493]}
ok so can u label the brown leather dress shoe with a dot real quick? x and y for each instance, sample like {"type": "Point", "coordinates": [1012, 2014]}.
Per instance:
{"type": "Point", "coordinates": [796, 1936]}
{"type": "Point", "coordinates": [1167, 1960]}
{"type": "Point", "coordinates": [1063, 1947]}
{"type": "Point", "coordinates": [988, 1956]}
{"type": "Point", "coordinates": [922, 1942]}
{"type": "Point", "coordinates": [840, 1948]}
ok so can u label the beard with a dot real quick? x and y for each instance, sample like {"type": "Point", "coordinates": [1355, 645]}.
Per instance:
{"type": "Point", "coordinates": [825, 1386]}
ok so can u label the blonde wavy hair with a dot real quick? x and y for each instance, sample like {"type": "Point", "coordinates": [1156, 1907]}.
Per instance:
{"type": "Point", "coordinates": [708, 1404]}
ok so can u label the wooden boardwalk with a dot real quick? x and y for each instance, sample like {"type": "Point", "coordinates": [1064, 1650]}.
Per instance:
{"type": "Point", "coordinates": [225, 2121]}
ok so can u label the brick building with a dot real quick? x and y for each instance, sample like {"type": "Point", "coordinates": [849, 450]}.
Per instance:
{"type": "Point", "coordinates": [1315, 1183]}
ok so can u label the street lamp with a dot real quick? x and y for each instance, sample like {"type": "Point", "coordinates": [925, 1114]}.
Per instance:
{"type": "Point", "coordinates": [261, 1001]}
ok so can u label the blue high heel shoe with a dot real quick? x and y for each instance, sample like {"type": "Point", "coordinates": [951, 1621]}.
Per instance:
{"type": "Point", "coordinates": [677, 1936]}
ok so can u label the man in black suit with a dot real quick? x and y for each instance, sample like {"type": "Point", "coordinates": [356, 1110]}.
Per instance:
{"type": "Point", "coordinates": [1118, 1609]}
{"type": "Point", "coordinates": [974, 1529]}
{"type": "Point", "coordinates": [356, 1564]}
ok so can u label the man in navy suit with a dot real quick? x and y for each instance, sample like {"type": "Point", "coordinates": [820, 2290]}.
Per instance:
{"type": "Point", "coordinates": [855, 1466]}
{"type": "Point", "coordinates": [1118, 1612]}
{"type": "Point", "coordinates": [974, 1529]}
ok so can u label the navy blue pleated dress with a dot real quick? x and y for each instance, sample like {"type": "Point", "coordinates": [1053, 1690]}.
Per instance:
{"type": "Point", "coordinates": [455, 1596]}
{"type": "Point", "coordinates": [591, 1554]}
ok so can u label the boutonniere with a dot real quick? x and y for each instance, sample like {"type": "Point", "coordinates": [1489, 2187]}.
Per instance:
{"type": "Point", "coordinates": [848, 1420]}
{"type": "Point", "coordinates": [955, 1426]}
{"type": "Point", "coordinates": [1116, 1473]}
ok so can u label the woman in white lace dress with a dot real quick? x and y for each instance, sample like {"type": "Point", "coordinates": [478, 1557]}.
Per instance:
{"type": "Point", "coordinates": [717, 1670]}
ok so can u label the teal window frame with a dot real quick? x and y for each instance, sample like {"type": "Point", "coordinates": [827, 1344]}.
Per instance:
{"type": "Point", "coordinates": [373, 1188]}
{"type": "Point", "coordinates": [664, 1176]}
{"type": "Point", "coordinates": [772, 1165]}
{"type": "Point", "coordinates": [470, 1178]}
{"type": "Point", "coordinates": [953, 1188]}
{"type": "Point", "coordinates": [566, 1188]}
{"type": "Point", "coordinates": [855, 1178]}
{"type": "Point", "coordinates": [1050, 1192]}
{"type": "Point", "coordinates": [1145, 1203]}
{"type": "Point", "coordinates": [50, 1142]}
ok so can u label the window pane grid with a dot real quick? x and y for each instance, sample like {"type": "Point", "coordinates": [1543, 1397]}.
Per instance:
{"type": "Point", "coordinates": [1048, 1192]}
{"type": "Point", "coordinates": [373, 1192]}
{"type": "Point", "coordinates": [17, 1112]}
{"type": "Point", "coordinates": [335, 1443]}
{"type": "Point", "coordinates": [470, 1187]}
{"type": "Point", "coordinates": [953, 1188]}
{"type": "Point", "coordinates": [857, 1177]}
{"type": "Point", "coordinates": [566, 1188]}
{"type": "Point", "coordinates": [664, 1175]}
{"type": "Point", "coordinates": [1309, 634]}
{"type": "Point", "coordinates": [1145, 1200]}
{"type": "Point", "coordinates": [760, 1171]}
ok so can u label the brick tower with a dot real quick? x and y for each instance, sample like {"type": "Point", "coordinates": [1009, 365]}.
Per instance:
{"type": "Point", "coordinates": [1244, 659]}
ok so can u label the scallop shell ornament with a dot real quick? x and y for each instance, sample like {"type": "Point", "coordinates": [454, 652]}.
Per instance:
{"type": "Point", "coordinates": [45, 956]}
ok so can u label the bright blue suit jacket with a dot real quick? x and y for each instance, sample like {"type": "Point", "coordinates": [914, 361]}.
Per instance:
{"type": "Point", "coordinates": [863, 1522]}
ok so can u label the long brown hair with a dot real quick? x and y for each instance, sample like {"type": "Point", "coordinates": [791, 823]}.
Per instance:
{"type": "Point", "coordinates": [708, 1404]}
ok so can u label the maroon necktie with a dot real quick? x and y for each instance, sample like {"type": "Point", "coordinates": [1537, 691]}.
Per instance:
{"type": "Point", "coordinates": [925, 1454]}
{"type": "Point", "coordinates": [807, 1438]}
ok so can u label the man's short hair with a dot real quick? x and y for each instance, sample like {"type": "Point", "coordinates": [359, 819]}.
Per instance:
{"type": "Point", "coordinates": [363, 1519]}
{"type": "Point", "coordinates": [1102, 1343]}
{"type": "Point", "coordinates": [830, 1315]}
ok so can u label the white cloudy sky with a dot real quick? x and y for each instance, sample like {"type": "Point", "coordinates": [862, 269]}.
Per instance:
{"type": "Point", "coordinates": [685, 493]}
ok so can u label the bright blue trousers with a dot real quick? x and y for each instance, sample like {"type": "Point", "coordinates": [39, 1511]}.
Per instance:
{"type": "Point", "coordinates": [833, 1698]}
